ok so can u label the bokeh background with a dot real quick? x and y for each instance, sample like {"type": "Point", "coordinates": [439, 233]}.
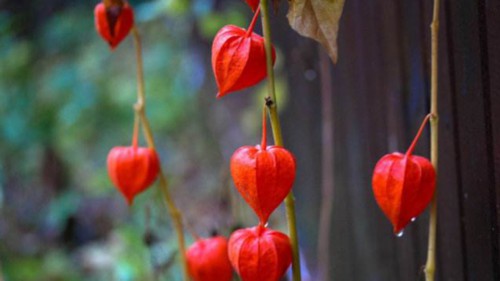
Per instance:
{"type": "Point", "coordinates": [66, 100]}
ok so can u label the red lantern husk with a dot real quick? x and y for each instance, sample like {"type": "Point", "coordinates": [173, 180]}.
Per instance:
{"type": "Point", "coordinates": [259, 253]}
{"type": "Point", "coordinates": [238, 58]}
{"type": "Point", "coordinates": [208, 260]}
{"type": "Point", "coordinates": [263, 175]}
{"type": "Point", "coordinates": [404, 184]}
{"type": "Point", "coordinates": [113, 21]}
{"type": "Point", "coordinates": [132, 169]}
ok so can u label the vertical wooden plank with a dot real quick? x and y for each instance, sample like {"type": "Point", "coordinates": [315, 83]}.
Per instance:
{"type": "Point", "coordinates": [492, 14]}
{"type": "Point", "coordinates": [472, 141]}
{"type": "Point", "coordinates": [300, 121]}
{"type": "Point", "coordinates": [489, 36]}
{"type": "Point", "coordinates": [380, 89]}
{"type": "Point", "coordinates": [364, 101]}
{"type": "Point", "coordinates": [373, 250]}
{"type": "Point", "coordinates": [450, 255]}
{"type": "Point", "coordinates": [344, 245]}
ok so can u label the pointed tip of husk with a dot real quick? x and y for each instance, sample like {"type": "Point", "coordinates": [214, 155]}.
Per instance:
{"type": "Point", "coordinates": [130, 201]}
{"type": "Point", "coordinates": [221, 94]}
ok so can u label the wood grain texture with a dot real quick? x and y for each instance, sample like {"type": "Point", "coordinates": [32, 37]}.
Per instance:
{"type": "Point", "coordinates": [380, 95]}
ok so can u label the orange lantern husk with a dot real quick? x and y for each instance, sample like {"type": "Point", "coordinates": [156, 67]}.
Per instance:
{"type": "Point", "coordinates": [113, 21]}
{"type": "Point", "coordinates": [259, 253]}
{"type": "Point", "coordinates": [404, 184]}
{"type": "Point", "coordinates": [132, 169]}
{"type": "Point", "coordinates": [238, 58]}
{"type": "Point", "coordinates": [263, 175]}
{"type": "Point", "coordinates": [208, 260]}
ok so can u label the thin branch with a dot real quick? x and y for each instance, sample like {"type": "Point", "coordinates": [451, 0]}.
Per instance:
{"type": "Point", "coordinates": [140, 109]}
{"type": "Point", "coordinates": [430, 266]}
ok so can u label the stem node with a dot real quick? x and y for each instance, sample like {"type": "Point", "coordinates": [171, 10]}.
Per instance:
{"type": "Point", "coordinates": [269, 102]}
{"type": "Point", "coordinates": [434, 117]}
{"type": "Point", "coordinates": [139, 107]}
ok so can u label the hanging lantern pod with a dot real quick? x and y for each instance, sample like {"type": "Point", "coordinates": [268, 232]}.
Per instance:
{"type": "Point", "coordinates": [238, 58]}
{"type": "Point", "coordinates": [132, 169]}
{"type": "Point", "coordinates": [113, 20]}
{"type": "Point", "coordinates": [404, 184]}
{"type": "Point", "coordinates": [208, 260]}
{"type": "Point", "coordinates": [263, 175]}
{"type": "Point", "coordinates": [259, 253]}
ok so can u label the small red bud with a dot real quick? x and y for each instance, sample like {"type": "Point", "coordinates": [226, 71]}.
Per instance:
{"type": "Point", "coordinates": [403, 185]}
{"type": "Point", "coordinates": [113, 21]}
{"type": "Point", "coordinates": [208, 260]}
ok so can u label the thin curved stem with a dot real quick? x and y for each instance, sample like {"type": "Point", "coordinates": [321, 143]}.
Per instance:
{"type": "Point", "coordinates": [253, 22]}
{"type": "Point", "coordinates": [263, 143]}
{"type": "Point", "coordinates": [140, 109]}
{"type": "Point", "coordinates": [417, 136]}
{"type": "Point", "coordinates": [135, 137]}
{"type": "Point", "coordinates": [430, 266]}
{"type": "Point", "coordinates": [272, 105]}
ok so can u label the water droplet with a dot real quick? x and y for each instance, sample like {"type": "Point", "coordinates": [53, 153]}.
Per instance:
{"type": "Point", "coordinates": [267, 224]}
{"type": "Point", "coordinates": [413, 219]}
{"type": "Point", "coordinates": [400, 234]}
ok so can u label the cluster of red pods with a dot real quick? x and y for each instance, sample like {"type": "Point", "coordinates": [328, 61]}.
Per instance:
{"type": "Point", "coordinates": [263, 175]}
{"type": "Point", "coordinates": [257, 254]}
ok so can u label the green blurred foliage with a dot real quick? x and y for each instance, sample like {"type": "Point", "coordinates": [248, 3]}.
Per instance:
{"type": "Point", "coordinates": [66, 99]}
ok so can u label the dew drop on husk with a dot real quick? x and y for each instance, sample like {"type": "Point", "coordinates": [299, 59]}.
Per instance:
{"type": "Point", "coordinates": [400, 234]}
{"type": "Point", "coordinates": [413, 219]}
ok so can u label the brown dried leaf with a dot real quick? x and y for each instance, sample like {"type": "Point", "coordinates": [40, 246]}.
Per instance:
{"type": "Point", "coordinates": [317, 19]}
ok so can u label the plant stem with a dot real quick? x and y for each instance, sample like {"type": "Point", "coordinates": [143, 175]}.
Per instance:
{"type": "Point", "coordinates": [252, 23]}
{"type": "Point", "coordinates": [263, 143]}
{"type": "Point", "coordinates": [136, 131]}
{"type": "Point", "coordinates": [410, 150]}
{"type": "Point", "coordinates": [272, 105]}
{"type": "Point", "coordinates": [430, 266]}
{"type": "Point", "coordinates": [140, 109]}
